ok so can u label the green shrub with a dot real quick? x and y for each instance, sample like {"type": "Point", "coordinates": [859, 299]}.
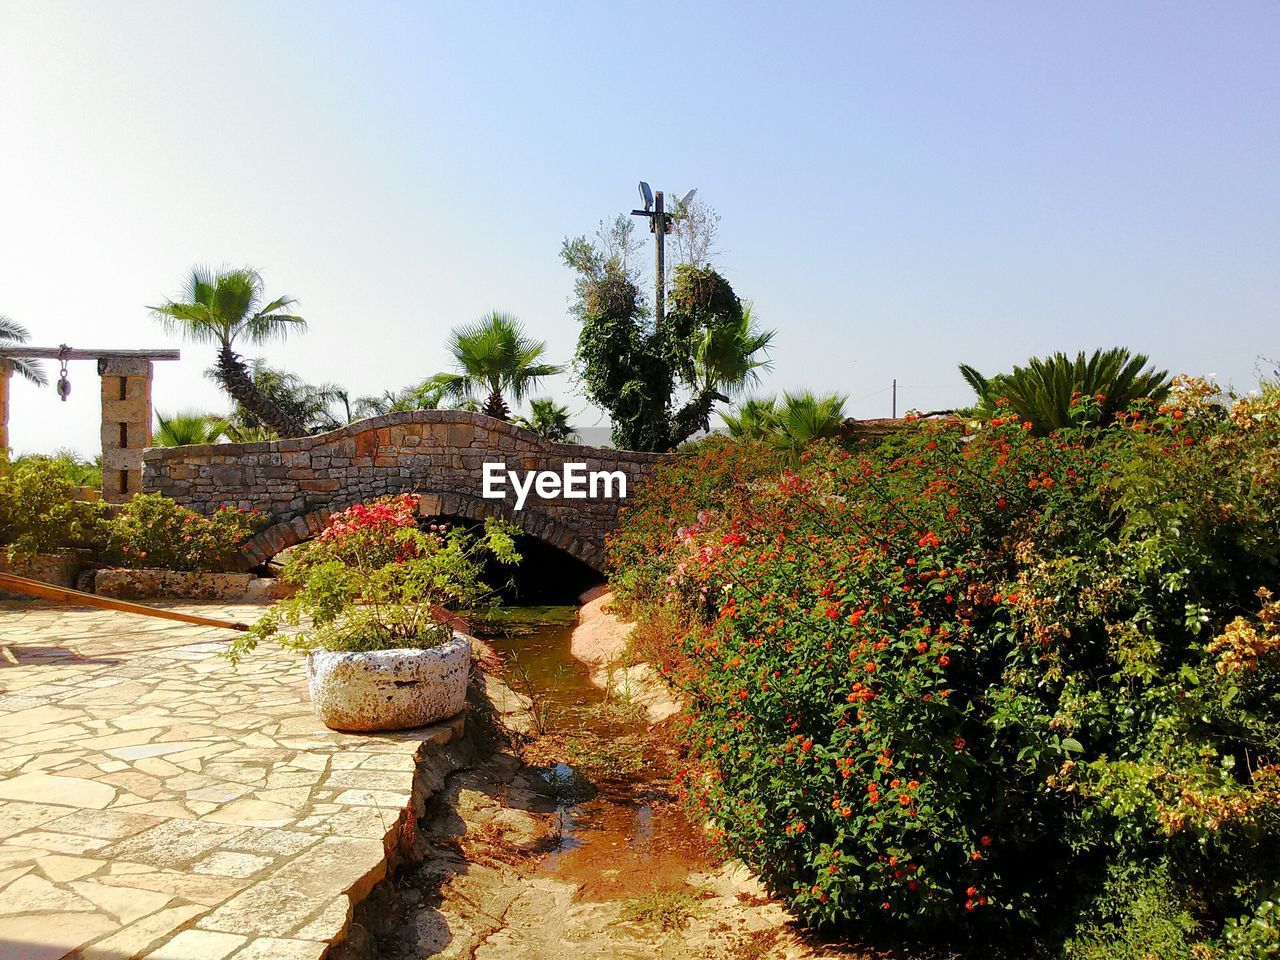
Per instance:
{"type": "Point", "coordinates": [1137, 915]}
{"type": "Point", "coordinates": [38, 509]}
{"type": "Point", "coordinates": [77, 470]}
{"type": "Point", "coordinates": [950, 679]}
{"type": "Point", "coordinates": [151, 530]}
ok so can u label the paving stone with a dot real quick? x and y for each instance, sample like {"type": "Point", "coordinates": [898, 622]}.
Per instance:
{"type": "Point", "coordinates": [155, 802]}
{"type": "Point", "coordinates": [107, 824]}
{"type": "Point", "coordinates": [329, 923]}
{"type": "Point", "coordinates": [274, 948]}
{"type": "Point", "coordinates": [68, 791]}
{"type": "Point", "coordinates": [204, 944]}
{"type": "Point", "coordinates": [61, 868]}
{"type": "Point", "coordinates": [51, 936]}
{"type": "Point", "coordinates": [141, 934]}
{"type": "Point", "coordinates": [174, 843]}
{"type": "Point", "coordinates": [56, 842]}
{"type": "Point", "coordinates": [32, 894]}
{"type": "Point", "coordinates": [227, 863]}
{"type": "Point", "coordinates": [126, 904]}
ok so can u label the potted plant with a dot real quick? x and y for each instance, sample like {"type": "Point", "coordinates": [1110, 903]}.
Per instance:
{"type": "Point", "coordinates": [372, 613]}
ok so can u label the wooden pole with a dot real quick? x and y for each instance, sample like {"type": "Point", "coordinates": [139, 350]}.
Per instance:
{"type": "Point", "coordinates": [69, 353]}
{"type": "Point", "coordinates": [47, 591]}
{"type": "Point", "coordinates": [6, 374]}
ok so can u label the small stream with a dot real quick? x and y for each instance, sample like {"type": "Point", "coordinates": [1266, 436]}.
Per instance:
{"type": "Point", "coordinates": [621, 833]}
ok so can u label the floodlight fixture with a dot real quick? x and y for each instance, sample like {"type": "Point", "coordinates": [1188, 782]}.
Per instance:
{"type": "Point", "coordinates": [684, 201]}
{"type": "Point", "coordinates": [646, 195]}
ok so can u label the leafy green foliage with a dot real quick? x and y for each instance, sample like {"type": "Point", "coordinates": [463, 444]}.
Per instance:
{"type": "Point", "coordinates": [225, 306]}
{"type": "Point", "coordinates": [310, 408]}
{"type": "Point", "coordinates": [374, 580]}
{"type": "Point", "coordinates": [1138, 914]}
{"type": "Point", "coordinates": [39, 514]}
{"type": "Point", "coordinates": [955, 679]}
{"type": "Point", "coordinates": [38, 509]}
{"type": "Point", "coordinates": [1045, 393]}
{"type": "Point", "coordinates": [494, 355]}
{"type": "Point", "coordinates": [426, 395]}
{"type": "Point", "coordinates": [698, 480]}
{"type": "Point", "coordinates": [708, 345]}
{"type": "Point", "coordinates": [1253, 937]}
{"type": "Point", "coordinates": [77, 470]}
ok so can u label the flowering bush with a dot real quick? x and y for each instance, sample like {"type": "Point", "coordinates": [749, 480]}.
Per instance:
{"type": "Point", "coordinates": [153, 531]}
{"type": "Point", "coordinates": [956, 678]}
{"type": "Point", "coordinates": [701, 478]}
{"type": "Point", "coordinates": [374, 580]}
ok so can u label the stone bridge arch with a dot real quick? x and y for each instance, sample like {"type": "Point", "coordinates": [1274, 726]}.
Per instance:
{"type": "Point", "coordinates": [437, 455]}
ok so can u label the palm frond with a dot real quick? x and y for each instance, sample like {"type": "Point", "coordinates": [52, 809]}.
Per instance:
{"type": "Point", "coordinates": [187, 427]}
{"type": "Point", "coordinates": [219, 306]}
{"type": "Point", "coordinates": [12, 332]}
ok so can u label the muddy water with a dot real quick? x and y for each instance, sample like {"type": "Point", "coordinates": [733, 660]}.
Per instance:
{"type": "Point", "coordinates": [619, 831]}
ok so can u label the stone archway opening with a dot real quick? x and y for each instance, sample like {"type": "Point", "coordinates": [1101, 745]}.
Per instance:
{"type": "Point", "coordinates": [546, 575]}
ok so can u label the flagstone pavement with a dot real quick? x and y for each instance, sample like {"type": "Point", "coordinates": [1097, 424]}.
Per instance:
{"type": "Point", "coordinates": [157, 802]}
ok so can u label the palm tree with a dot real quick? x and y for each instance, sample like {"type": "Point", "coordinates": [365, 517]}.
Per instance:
{"type": "Point", "coordinates": [224, 306]}
{"type": "Point", "coordinates": [494, 355]}
{"type": "Point", "coordinates": [724, 362]}
{"type": "Point", "coordinates": [548, 419]}
{"type": "Point", "coordinates": [425, 396]}
{"type": "Point", "coordinates": [801, 419]}
{"type": "Point", "coordinates": [804, 417]}
{"type": "Point", "coordinates": [727, 359]}
{"type": "Point", "coordinates": [187, 427]}
{"type": "Point", "coordinates": [13, 333]}
{"type": "Point", "coordinates": [307, 405]}
{"type": "Point", "coordinates": [752, 419]}
{"type": "Point", "coordinates": [1043, 392]}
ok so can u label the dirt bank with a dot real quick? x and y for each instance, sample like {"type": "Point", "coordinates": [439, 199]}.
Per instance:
{"type": "Point", "coordinates": [600, 640]}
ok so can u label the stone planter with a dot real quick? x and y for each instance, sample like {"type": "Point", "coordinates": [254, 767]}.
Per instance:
{"type": "Point", "coordinates": [389, 689]}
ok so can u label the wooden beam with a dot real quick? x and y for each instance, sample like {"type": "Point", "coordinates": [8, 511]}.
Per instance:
{"type": "Point", "coordinates": [55, 353]}
{"type": "Point", "coordinates": [47, 591]}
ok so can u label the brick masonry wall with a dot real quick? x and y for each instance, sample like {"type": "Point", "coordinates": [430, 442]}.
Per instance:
{"type": "Point", "coordinates": [436, 454]}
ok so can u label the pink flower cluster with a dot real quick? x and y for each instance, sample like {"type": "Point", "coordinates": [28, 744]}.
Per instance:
{"type": "Point", "coordinates": [380, 517]}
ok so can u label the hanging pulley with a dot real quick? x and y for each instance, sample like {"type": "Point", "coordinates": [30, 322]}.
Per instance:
{"type": "Point", "coordinates": [64, 384]}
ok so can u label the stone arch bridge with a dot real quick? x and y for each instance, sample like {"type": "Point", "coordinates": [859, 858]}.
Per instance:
{"type": "Point", "coordinates": [438, 455]}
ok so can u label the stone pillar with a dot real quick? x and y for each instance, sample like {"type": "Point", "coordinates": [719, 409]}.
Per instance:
{"type": "Point", "coordinates": [6, 374]}
{"type": "Point", "coordinates": [126, 425]}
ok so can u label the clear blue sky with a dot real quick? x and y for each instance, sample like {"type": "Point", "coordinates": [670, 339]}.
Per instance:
{"type": "Point", "coordinates": [903, 187]}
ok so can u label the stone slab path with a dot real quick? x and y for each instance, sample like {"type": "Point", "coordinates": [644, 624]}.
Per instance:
{"type": "Point", "coordinates": [157, 802]}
